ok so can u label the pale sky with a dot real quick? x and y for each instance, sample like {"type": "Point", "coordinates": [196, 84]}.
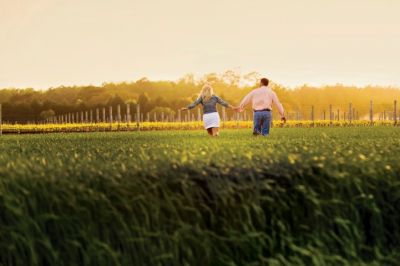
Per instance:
{"type": "Point", "coordinates": [48, 43]}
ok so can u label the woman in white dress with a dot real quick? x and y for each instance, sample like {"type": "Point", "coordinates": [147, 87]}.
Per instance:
{"type": "Point", "coordinates": [210, 114]}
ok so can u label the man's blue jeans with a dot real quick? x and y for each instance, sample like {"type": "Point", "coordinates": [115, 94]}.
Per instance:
{"type": "Point", "coordinates": [262, 122]}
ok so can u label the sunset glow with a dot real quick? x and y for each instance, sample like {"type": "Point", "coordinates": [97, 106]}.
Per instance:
{"type": "Point", "coordinates": [57, 42]}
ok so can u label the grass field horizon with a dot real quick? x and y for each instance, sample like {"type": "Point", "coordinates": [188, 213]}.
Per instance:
{"type": "Point", "coordinates": [189, 125]}
{"type": "Point", "coordinates": [301, 196]}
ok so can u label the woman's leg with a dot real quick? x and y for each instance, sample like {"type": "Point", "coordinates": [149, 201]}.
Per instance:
{"type": "Point", "coordinates": [215, 131]}
{"type": "Point", "coordinates": [210, 131]}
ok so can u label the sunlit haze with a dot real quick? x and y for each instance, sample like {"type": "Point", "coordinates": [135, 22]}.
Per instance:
{"type": "Point", "coordinates": [47, 43]}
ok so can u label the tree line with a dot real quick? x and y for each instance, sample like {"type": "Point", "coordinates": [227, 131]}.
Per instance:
{"type": "Point", "coordinates": [23, 105]}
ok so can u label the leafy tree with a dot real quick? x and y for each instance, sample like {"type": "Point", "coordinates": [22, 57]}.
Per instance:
{"type": "Point", "coordinates": [47, 114]}
{"type": "Point", "coordinates": [144, 102]}
{"type": "Point", "coordinates": [165, 110]}
{"type": "Point", "coordinates": [23, 105]}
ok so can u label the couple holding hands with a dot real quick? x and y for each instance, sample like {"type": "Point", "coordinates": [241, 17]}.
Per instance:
{"type": "Point", "coordinates": [261, 99]}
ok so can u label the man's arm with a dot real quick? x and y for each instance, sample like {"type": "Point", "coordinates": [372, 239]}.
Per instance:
{"type": "Point", "coordinates": [278, 104]}
{"type": "Point", "coordinates": [246, 100]}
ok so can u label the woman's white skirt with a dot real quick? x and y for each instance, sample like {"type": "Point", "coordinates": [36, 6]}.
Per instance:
{"type": "Point", "coordinates": [211, 120]}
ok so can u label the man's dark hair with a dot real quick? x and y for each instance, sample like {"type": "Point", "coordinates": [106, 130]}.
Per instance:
{"type": "Point", "coordinates": [264, 82]}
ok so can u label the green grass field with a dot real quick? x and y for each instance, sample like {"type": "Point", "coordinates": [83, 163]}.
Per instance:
{"type": "Point", "coordinates": [316, 196]}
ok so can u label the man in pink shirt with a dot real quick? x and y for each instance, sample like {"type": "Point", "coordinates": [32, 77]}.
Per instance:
{"type": "Point", "coordinates": [261, 100]}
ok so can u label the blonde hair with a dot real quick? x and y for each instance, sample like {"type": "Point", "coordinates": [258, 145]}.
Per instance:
{"type": "Point", "coordinates": [206, 92]}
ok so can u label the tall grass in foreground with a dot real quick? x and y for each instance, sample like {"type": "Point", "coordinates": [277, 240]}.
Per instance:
{"type": "Point", "coordinates": [299, 197]}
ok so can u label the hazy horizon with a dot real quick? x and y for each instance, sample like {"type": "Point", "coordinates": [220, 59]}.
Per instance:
{"type": "Point", "coordinates": [52, 43]}
{"type": "Point", "coordinates": [291, 87]}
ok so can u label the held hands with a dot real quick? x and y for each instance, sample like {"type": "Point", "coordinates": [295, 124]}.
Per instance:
{"type": "Point", "coordinates": [237, 109]}
{"type": "Point", "coordinates": [283, 119]}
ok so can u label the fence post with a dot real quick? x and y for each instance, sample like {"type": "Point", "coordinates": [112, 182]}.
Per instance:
{"type": "Point", "coordinates": [138, 117]}
{"type": "Point", "coordinates": [198, 114]}
{"type": "Point", "coordinates": [350, 112]}
{"type": "Point", "coordinates": [394, 113]}
{"type": "Point", "coordinates": [119, 113]}
{"type": "Point", "coordinates": [330, 114]}
{"type": "Point", "coordinates": [371, 113]}
{"type": "Point", "coordinates": [1, 125]}
{"type": "Point", "coordinates": [162, 117]}
{"type": "Point", "coordinates": [110, 113]}
{"type": "Point", "coordinates": [312, 115]}
{"type": "Point", "coordinates": [179, 116]}
{"type": "Point", "coordinates": [97, 115]}
{"type": "Point", "coordinates": [338, 115]}
{"type": "Point", "coordinates": [104, 114]}
{"type": "Point", "coordinates": [128, 114]}
{"type": "Point", "coordinates": [147, 117]}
